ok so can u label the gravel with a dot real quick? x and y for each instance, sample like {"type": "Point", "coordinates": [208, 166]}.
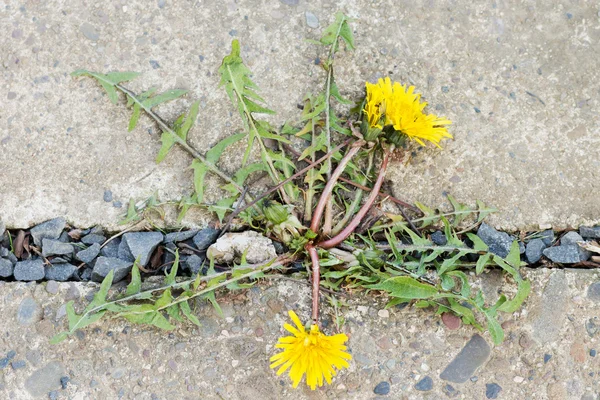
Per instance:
{"type": "Point", "coordinates": [547, 237]}
{"type": "Point", "coordinates": [52, 247]}
{"type": "Point", "coordinates": [573, 238]}
{"type": "Point", "coordinates": [142, 244]}
{"type": "Point", "coordinates": [492, 390]}
{"type": "Point", "coordinates": [45, 379]}
{"type": "Point", "coordinates": [111, 249]}
{"type": "Point", "coordinates": [93, 238]}
{"type": "Point", "coordinates": [105, 264]}
{"type": "Point", "coordinates": [175, 237]}
{"type": "Point", "coordinates": [194, 264]}
{"type": "Point", "coordinates": [425, 384]}
{"type": "Point", "coordinates": [439, 238]}
{"type": "Point", "coordinates": [382, 388]}
{"type": "Point", "coordinates": [563, 254]}
{"type": "Point", "coordinates": [49, 230]}
{"type": "Point", "coordinates": [88, 255]}
{"type": "Point", "coordinates": [205, 238]}
{"type": "Point", "coordinates": [311, 20]}
{"type": "Point", "coordinates": [534, 250]}
{"type": "Point", "coordinates": [30, 270]}
{"type": "Point", "coordinates": [60, 272]}
{"type": "Point", "coordinates": [29, 312]}
{"type": "Point", "coordinates": [593, 292]}
{"type": "Point", "coordinates": [499, 242]}
{"type": "Point", "coordinates": [6, 268]}
{"type": "Point", "coordinates": [471, 357]}
{"type": "Point", "coordinates": [590, 232]}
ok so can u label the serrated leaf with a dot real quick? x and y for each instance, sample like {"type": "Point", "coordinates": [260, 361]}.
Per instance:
{"type": "Point", "coordinates": [161, 322]}
{"type": "Point", "coordinates": [483, 210]}
{"type": "Point", "coordinates": [450, 263]}
{"type": "Point", "coordinates": [90, 319]}
{"type": "Point", "coordinates": [200, 170]}
{"type": "Point", "coordinates": [465, 289]}
{"type": "Point", "coordinates": [185, 308]}
{"type": "Point", "coordinates": [478, 244]}
{"type": "Point", "coordinates": [508, 268]}
{"type": "Point", "coordinates": [447, 282]}
{"type": "Point", "coordinates": [405, 287]}
{"type": "Point", "coordinates": [215, 152]}
{"type": "Point", "coordinates": [335, 92]}
{"type": "Point", "coordinates": [514, 256]}
{"type": "Point", "coordinates": [173, 311]}
{"type": "Point", "coordinates": [189, 120]}
{"type": "Point", "coordinates": [163, 97]}
{"type": "Point", "coordinates": [210, 296]}
{"type": "Point", "coordinates": [118, 77]}
{"type": "Point", "coordinates": [164, 300]}
{"type": "Point", "coordinates": [222, 207]}
{"type": "Point", "coordinates": [135, 285]}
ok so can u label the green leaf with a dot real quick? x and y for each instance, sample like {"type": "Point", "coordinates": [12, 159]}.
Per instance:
{"type": "Point", "coordinates": [135, 285]}
{"type": "Point", "coordinates": [100, 296]}
{"type": "Point", "coordinates": [170, 278]}
{"type": "Point", "coordinates": [514, 256]}
{"type": "Point", "coordinates": [108, 81]}
{"type": "Point", "coordinates": [478, 244]}
{"type": "Point", "coordinates": [72, 317]}
{"type": "Point", "coordinates": [222, 207]}
{"type": "Point", "coordinates": [59, 337]}
{"type": "Point", "coordinates": [450, 263]}
{"type": "Point", "coordinates": [174, 312]}
{"type": "Point", "coordinates": [110, 91]}
{"type": "Point", "coordinates": [447, 282]}
{"type": "Point", "coordinates": [189, 120]}
{"type": "Point", "coordinates": [134, 117]}
{"type": "Point", "coordinates": [482, 262]}
{"type": "Point", "coordinates": [210, 296]}
{"type": "Point", "coordinates": [215, 152]}
{"type": "Point", "coordinates": [185, 308]}
{"type": "Point", "coordinates": [90, 319]}
{"type": "Point", "coordinates": [395, 301]}
{"type": "Point", "coordinates": [164, 300]}
{"type": "Point", "coordinates": [161, 322]}
{"type": "Point", "coordinates": [465, 289]}
{"type": "Point", "coordinates": [405, 287]}
{"type": "Point", "coordinates": [118, 77]}
{"type": "Point", "coordinates": [495, 329]}
{"type": "Point", "coordinates": [163, 97]}
{"type": "Point", "coordinates": [483, 210]}
{"type": "Point", "coordinates": [200, 170]}
{"type": "Point", "coordinates": [524, 287]}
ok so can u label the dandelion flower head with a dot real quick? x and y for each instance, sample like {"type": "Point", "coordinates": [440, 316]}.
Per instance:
{"type": "Point", "coordinates": [310, 352]}
{"type": "Point", "coordinates": [392, 104]}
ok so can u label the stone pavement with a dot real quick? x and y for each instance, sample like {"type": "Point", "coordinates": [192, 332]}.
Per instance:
{"type": "Point", "coordinates": [550, 351]}
{"type": "Point", "coordinates": [519, 80]}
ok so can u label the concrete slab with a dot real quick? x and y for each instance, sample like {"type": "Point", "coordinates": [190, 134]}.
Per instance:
{"type": "Point", "coordinates": [519, 80]}
{"type": "Point", "coordinates": [407, 349]}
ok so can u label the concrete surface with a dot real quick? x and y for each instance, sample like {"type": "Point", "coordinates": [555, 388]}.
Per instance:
{"type": "Point", "coordinates": [550, 351]}
{"type": "Point", "coordinates": [519, 80]}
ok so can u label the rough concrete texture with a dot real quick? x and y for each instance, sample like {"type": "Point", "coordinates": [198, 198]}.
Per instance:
{"type": "Point", "coordinates": [227, 358]}
{"type": "Point", "coordinates": [519, 80]}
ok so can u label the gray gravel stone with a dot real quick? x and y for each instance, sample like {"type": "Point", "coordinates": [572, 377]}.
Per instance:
{"type": "Point", "coordinates": [60, 272]}
{"type": "Point", "coordinates": [382, 388]}
{"type": "Point", "coordinates": [88, 255]}
{"type": "Point", "coordinates": [492, 390]}
{"type": "Point", "coordinates": [18, 364]}
{"type": "Point", "coordinates": [590, 232]}
{"type": "Point", "coordinates": [12, 258]}
{"type": "Point", "coordinates": [547, 237]}
{"type": "Point", "coordinates": [175, 237]}
{"type": "Point", "coordinates": [45, 379]}
{"type": "Point", "coordinates": [425, 384]}
{"type": "Point", "coordinates": [93, 238]}
{"type": "Point", "coordinates": [29, 312]}
{"type": "Point", "coordinates": [142, 244]}
{"type": "Point", "coordinates": [439, 238]}
{"type": "Point", "coordinates": [2, 229]}
{"type": "Point", "coordinates": [124, 253]}
{"type": "Point", "coordinates": [49, 230]}
{"type": "Point", "coordinates": [194, 264]}
{"type": "Point", "coordinates": [205, 238]}
{"type": "Point", "coordinates": [498, 242]}
{"type": "Point", "coordinates": [563, 254]}
{"type": "Point", "coordinates": [6, 268]}
{"type": "Point", "coordinates": [107, 197]}
{"type": "Point", "coordinates": [534, 250]}
{"type": "Point", "coordinates": [471, 357]}
{"type": "Point", "coordinates": [593, 292]}
{"type": "Point", "coordinates": [311, 20]}
{"type": "Point", "coordinates": [105, 264]}
{"type": "Point", "coordinates": [111, 249]}
{"type": "Point", "coordinates": [30, 270]}
{"type": "Point", "coordinates": [4, 251]}
{"type": "Point", "coordinates": [592, 326]}
{"type": "Point", "coordinates": [572, 239]}
{"type": "Point", "coordinates": [89, 31]}
{"type": "Point", "coordinates": [55, 248]}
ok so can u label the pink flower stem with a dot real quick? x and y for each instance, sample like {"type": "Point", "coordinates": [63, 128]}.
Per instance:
{"type": "Point", "coordinates": [316, 281]}
{"type": "Point", "coordinates": [347, 231]}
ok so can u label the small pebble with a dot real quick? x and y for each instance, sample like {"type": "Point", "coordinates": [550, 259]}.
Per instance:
{"type": "Point", "coordinates": [547, 358]}
{"type": "Point", "coordinates": [383, 313]}
{"type": "Point", "coordinates": [593, 353]}
{"type": "Point", "coordinates": [382, 388]}
{"type": "Point", "coordinates": [518, 379]}
{"type": "Point", "coordinates": [492, 390]}
{"type": "Point", "coordinates": [107, 196]}
{"type": "Point", "coordinates": [64, 381]}
{"type": "Point", "coordinates": [425, 384]}
{"type": "Point", "coordinates": [18, 364]}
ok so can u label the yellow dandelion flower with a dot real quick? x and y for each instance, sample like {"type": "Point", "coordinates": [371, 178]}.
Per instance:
{"type": "Point", "coordinates": [403, 110]}
{"type": "Point", "coordinates": [311, 353]}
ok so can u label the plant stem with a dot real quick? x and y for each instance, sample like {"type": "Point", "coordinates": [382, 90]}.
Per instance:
{"type": "Point", "coordinates": [297, 174]}
{"type": "Point", "coordinates": [347, 231]}
{"type": "Point", "coordinates": [316, 281]}
{"type": "Point", "coordinates": [310, 192]}
{"type": "Point", "coordinates": [329, 204]}
{"type": "Point", "coordinates": [357, 197]}
{"type": "Point", "coordinates": [163, 125]}
{"type": "Point", "coordinates": [326, 194]}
